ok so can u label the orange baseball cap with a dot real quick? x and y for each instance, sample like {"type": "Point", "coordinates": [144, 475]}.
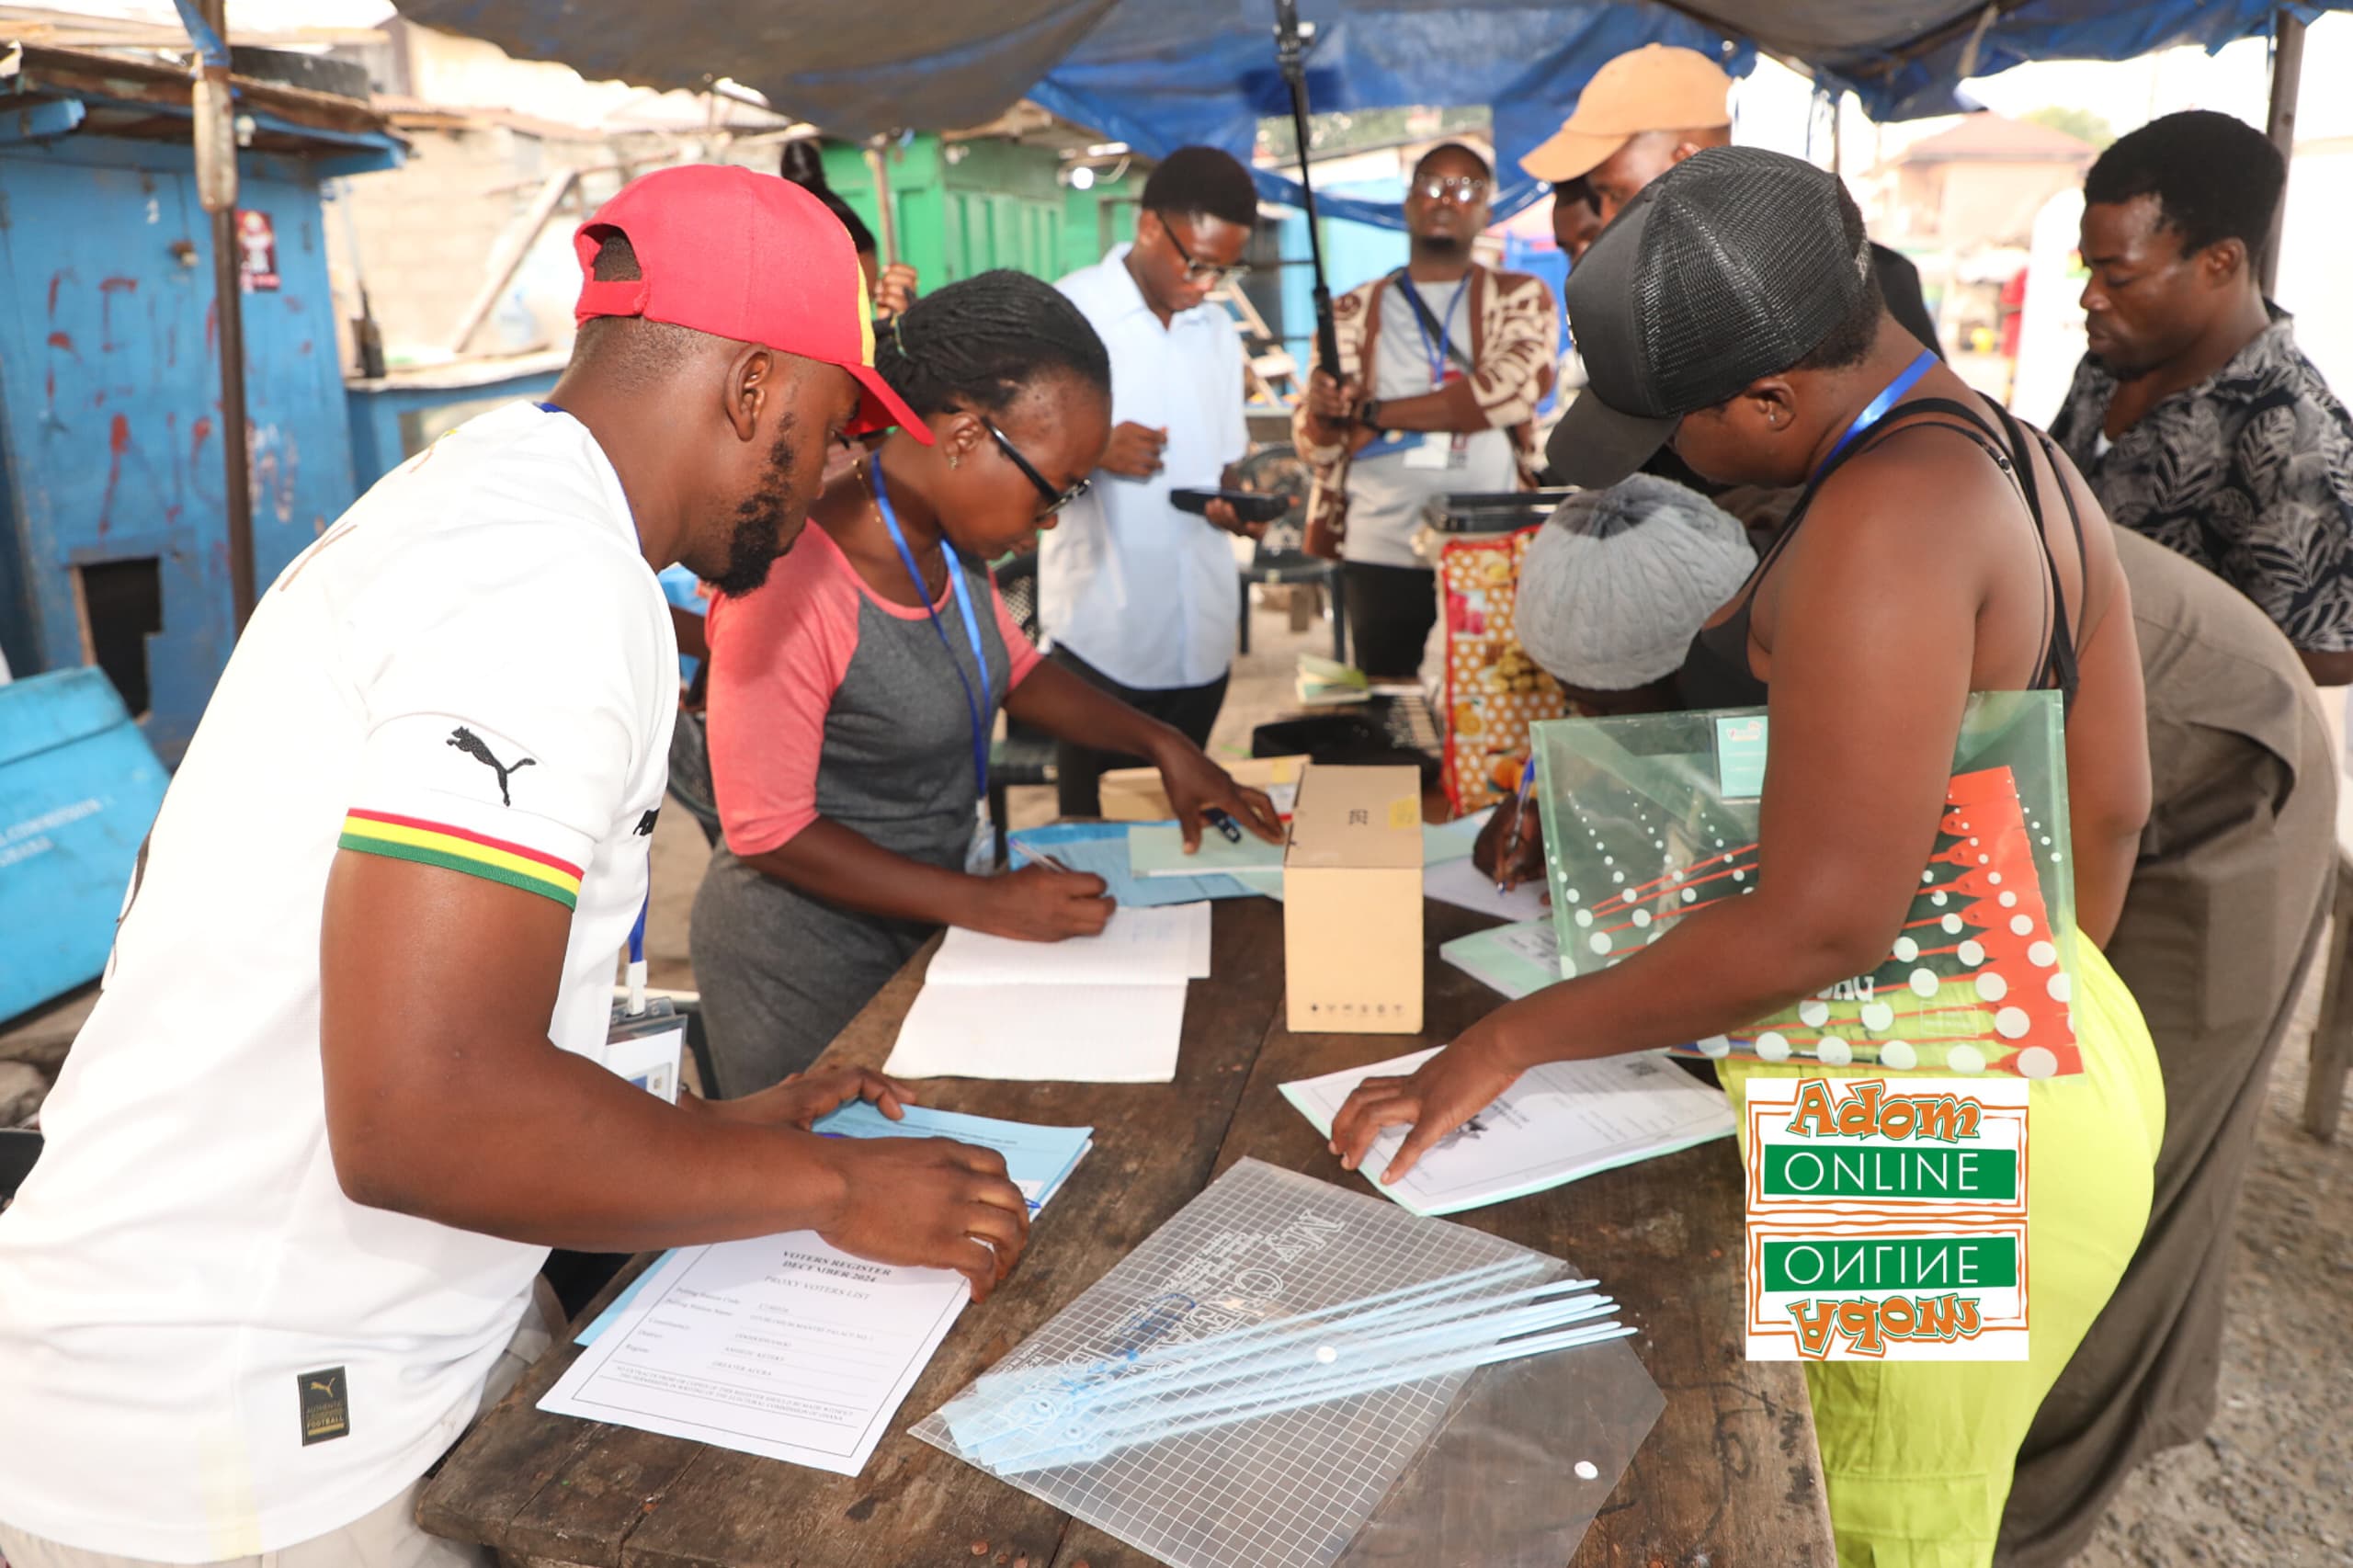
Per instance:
{"type": "Point", "coordinates": [1655, 88]}
{"type": "Point", "coordinates": [748, 257]}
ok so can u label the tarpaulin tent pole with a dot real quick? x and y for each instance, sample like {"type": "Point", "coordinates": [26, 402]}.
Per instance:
{"type": "Point", "coordinates": [1290, 54]}
{"type": "Point", "coordinates": [876, 168]}
{"type": "Point", "coordinates": [214, 129]}
{"type": "Point", "coordinates": [2287, 75]}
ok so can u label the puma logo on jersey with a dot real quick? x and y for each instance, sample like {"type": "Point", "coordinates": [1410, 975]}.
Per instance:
{"type": "Point", "coordinates": [326, 1411]}
{"type": "Point", "coordinates": [466, 741]}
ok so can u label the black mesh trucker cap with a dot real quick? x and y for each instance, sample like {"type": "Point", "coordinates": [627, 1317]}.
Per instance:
{"type": "Point", "coordinates": [1731, 266]}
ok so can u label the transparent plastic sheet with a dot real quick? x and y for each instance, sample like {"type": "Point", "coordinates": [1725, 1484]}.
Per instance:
{"type": "Point", "coordinates": [1487, 1467]}
{"type": "Point", "coordinates": [1650, 819]}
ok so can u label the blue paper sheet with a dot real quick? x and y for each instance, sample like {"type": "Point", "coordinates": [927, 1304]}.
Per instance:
{"type": "Point", "coordinates": [1101, 847]}
{"type": "Point", "coordinates": [1038, 1159]}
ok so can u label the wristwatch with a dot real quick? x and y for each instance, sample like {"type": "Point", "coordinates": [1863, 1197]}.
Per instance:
{"type": "Point", "coordinates": [1369, 414]}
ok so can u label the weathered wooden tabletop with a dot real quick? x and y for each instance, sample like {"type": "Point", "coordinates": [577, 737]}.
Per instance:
{"type": "Point", "coordinates": [1729, 1476]}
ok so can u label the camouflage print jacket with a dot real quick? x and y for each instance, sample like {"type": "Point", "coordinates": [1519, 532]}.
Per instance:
{"type": "Point", "coordinates": [1515, 343]}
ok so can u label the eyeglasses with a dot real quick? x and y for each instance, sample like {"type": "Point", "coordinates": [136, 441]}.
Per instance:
{"type": "Point", "coordinates": [1464, 190]}
{"type": "Point", "coordinates": [1200, 271]}
{"type": "Point", "coordinates": [1055, 499]}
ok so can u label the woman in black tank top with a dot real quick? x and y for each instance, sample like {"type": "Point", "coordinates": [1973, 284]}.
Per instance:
{"type": "Point", "coordinates": [1730, 309]}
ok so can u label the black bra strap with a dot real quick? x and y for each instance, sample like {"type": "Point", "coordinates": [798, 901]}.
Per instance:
{"type": "Point", "coordinates": [2059, 654]}
{"type": "Point", "coordinates": [2015, 459]}
{"type": "Point", "coordinates": [2058, 658]}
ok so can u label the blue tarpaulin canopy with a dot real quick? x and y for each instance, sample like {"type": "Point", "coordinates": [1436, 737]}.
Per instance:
{"type": "Point", "coordinates": [1160, 73]}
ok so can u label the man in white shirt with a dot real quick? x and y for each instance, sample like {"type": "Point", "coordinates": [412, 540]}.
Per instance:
{"type": "Point", "coordinates": [339, 1095]}
{"type": "Point", "coordinates": [1139, 598]}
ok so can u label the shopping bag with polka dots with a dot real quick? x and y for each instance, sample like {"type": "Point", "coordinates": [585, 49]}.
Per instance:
{"type": "Point", "coordinates": [1493, 689]}
{"type": "Point", "coordinates": [1650, 820]}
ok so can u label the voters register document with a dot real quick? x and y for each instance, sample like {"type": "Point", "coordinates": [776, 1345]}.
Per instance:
{"type": "Point", "coordinates": [782, 1346]}
{"type": "Point", "coordinates": [1560, 1122]}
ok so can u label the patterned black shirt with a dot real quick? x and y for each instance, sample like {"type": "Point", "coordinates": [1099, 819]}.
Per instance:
{"type": "Point", "coordinates": [2249, 473]}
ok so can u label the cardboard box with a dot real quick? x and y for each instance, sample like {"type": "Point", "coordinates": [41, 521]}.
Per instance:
{"type": "Point", "coordinates": [1133, 794]}
{"type": "Point", "coordinates": [1352, 903]}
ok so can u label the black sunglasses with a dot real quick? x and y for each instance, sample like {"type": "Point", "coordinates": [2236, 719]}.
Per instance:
{"type": "Point", "coordinates": [1201, 270]}
{"type": "Point", "coordinates": [1055, 499]}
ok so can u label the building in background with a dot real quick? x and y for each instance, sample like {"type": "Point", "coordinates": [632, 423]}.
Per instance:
{"type": "Point", "coordinates": [114, 546]}
{"type": "Point", "coordinates": [1961, 203]}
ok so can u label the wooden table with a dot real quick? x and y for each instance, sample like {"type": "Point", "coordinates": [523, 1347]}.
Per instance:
{"type": "Point", "coordinates": [1729, 1476]}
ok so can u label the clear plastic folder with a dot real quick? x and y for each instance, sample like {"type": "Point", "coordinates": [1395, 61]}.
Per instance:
{"type": "Point", "coordinates": [1355, 1481]}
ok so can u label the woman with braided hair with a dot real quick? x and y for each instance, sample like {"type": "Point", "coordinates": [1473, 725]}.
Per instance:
{"type": "Point", "coordinates": [853, 698]}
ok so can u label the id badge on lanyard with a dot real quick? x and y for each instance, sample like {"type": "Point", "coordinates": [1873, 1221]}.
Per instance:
{"type": "Point", "coordinates": [1440, 449]}
{"type": "Point", "coordinates": [645, 1042]}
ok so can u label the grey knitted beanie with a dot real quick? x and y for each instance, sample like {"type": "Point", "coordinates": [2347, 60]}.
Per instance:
{"type": "Point", "coordinates": [1619, 581]}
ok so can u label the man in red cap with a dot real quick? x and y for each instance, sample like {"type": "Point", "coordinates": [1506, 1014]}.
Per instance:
{"type": "Point", "coordinates": [344, 1086]}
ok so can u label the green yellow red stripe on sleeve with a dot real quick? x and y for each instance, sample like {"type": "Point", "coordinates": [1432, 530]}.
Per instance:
{"type": "Point", "coordinates": [455, 849]}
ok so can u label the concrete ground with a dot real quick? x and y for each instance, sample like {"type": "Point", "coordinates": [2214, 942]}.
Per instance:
{"type": "Point", "coordinates": [2272, 1483]}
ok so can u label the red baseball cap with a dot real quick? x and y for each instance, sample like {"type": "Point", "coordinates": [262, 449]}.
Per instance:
{"type": "Point", "coordinates": [744, 256]}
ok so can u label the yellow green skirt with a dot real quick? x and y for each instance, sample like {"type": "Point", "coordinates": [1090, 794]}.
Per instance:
{"type": "Point", "coordinates": [1918, 1454]}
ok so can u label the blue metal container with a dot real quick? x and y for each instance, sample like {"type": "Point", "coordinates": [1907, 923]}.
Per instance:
{"type": "Point", "coordinates": [79, 788]}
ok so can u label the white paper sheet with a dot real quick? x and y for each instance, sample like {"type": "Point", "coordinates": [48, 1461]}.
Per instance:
{"type": "Point", "coordinates": [1560, 1122]}
{"type": "Point", "coordinates": [1462, 883]}
{"type": "Point", "coordinates": [1139, 947]}
{"type": "Point", "coordinates": [781, 1347]}
{"type": "Point", "coordinates": [1094, 1034]}
{"type": "Point", "coordinates": [1453, 840]}
{"type": "Point", "coordinates": [1518, 960]}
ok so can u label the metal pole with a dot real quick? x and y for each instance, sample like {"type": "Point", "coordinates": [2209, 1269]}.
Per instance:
{"type": "Point", "coordinates": [216, 155]}
{"type": "Point", "coordinates": [878, 170]}
{"type": "Point", "coordinates": [1290, 57]}
{"type": "Point", "coordinates": [2287, 75]}
{"type": "Point", "coordinates": [514, 246]}
{"type": "Point", "coordinates": [237, 489]}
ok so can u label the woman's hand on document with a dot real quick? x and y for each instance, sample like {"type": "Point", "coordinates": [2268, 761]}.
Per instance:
{"type": "Point", "coordinates": [1442, 1095]}
{"type": "Point", "coordinates": [1039, 903]}
{"type": "Point", "coordinates": [1196, 786]}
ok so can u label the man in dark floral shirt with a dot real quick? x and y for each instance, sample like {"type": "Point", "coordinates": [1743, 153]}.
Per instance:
{"type": "Point", "coordinates": [2194, 417]}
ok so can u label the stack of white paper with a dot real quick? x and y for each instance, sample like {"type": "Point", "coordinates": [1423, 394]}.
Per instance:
{"type": "Point", "coordinates": [1560, 1122]}
{"type": "Point", "coordinates": [1104, 1009]}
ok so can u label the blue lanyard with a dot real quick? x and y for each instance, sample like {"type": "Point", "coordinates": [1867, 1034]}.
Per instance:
{"type": "Point", "coordinates": [1436, 351]}
{"type": "Point", "coordinates": [982, 711]}
{"type": "Point", "coordinates": [1876, 409]}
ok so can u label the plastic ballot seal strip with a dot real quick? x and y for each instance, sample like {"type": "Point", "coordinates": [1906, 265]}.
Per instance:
{"type": "Point", "coordinates": [1214, 1431]}
{"type": "Point", "coordinates": [1049, 1423]}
